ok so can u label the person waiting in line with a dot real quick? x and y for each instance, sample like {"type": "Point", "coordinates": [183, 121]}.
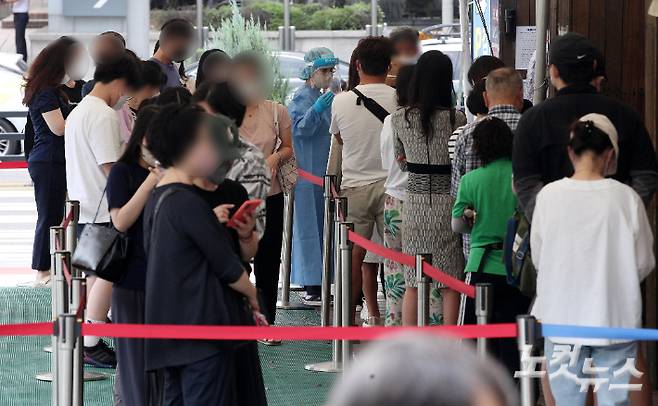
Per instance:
{"type": "Point", "coordinates": [192, 273]}
{"type": "Point", "coordinates": [152, 80]}
{"type": "Point", "coordinates": [93, 145]}
{"type": "Point", "coordinates": [310, 111]}
{"type": "Point", "coordinates": [48, 108]}
{"type": "Point", "coordinates": [214, 67]}
{"type": "Point", "coordinates": [421, 132]}
{"type": "Point", "coordinates": [174, 45]}
{"type": "Point", "coordinates": [129, 185]}
{"type": "Point", "coordinates": [503, 97]}
{"type": "Point", "coordinates": [267, 125]}
{"type": "Point", "coordinates": [396, 190]}
{"type": "Point", "coordinates": [484, 203]}
{"type": "Point", "coordinates": [601, 226]}
{"type": "Point", "coordinates": [540, 144]}
{"type": "Point", "coordinates": [357, 129]}
{"type": "Point", "coordinates": [477, 107]}
{"type": "Point", "coordinates": [421, 370]}
{"type": "Point", "coordinates": [104, 48]}
{"type": "Point", "coordinates": [406, 50]}
{"type": "Point", "coordinates": [174, 95]}
{"type": "Point", "coordinates": [249, 168]}
{"type": "Point", "coordinates": [225, 196]}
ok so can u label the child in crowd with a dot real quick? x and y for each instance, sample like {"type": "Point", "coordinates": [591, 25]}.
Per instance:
{"type": "Point", "coordinates": [592, 246]}
{"type": "Point", "coordinates": [485, 202]}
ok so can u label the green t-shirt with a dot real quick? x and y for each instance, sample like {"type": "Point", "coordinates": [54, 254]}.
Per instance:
{"type": "Point", "coordinates": [489, 191]}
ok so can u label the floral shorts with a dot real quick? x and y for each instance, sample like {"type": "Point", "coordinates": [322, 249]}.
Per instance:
{"type": "Point", "coordinates": [395, 273]}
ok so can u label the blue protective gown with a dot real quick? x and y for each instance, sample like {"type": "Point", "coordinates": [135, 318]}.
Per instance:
{"type": "Point", "coordinates": [311, 141]}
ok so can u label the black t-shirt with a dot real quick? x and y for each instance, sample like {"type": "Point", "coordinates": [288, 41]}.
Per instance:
{"type": "Point", "coordinates": [122, 183]}
{"type": "Point", "coordinates": [229, 192]}
{"type": "Point", "coordinates": [48, 147]}
{"type": "Point", "coordinates": [190, 262]}
{"type": "Point", "coordinates": [74, 95]}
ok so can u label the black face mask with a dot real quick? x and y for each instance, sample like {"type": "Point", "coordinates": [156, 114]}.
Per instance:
{"type": "Point", "coordinates": [226, 136]}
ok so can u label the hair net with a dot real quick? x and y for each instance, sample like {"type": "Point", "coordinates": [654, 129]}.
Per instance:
{"type": "Point", "coordinates": [317, 58]}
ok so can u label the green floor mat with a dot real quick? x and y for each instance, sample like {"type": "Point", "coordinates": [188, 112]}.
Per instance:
{"type": "Point", "coordinates": [21, 358]}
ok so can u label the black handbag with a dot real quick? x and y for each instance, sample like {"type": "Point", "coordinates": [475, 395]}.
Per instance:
{"type": "Point", "coordinates": [102, 250]}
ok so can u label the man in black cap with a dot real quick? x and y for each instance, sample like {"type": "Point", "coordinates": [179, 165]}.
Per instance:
{"type": "Point", "coordinates": [540, 145]}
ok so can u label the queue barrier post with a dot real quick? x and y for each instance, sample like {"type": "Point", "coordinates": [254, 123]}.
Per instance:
{"type": "Point", "coordinates": [72, 207]}
{"type": "Point", "coordinates": [483, 305]}
{"type": "Point", "coordinates": [527, 334]}
{"type": "Point", "coordinates": [423, 289]}
{"type": "Point", "coordinates": [286, 252]}
{"type": "Point", "coordinates": [68, 330]}
{"type": "Point", "coordinates": [327, 233]}
{"type": "Point", "coordinates": [335, 364]}
{"type": "Point", "coordinates": [347, 306]}
{"type": "Point", "coordinates": [77, 303]}
{"type": "Point", "coordinates": [56, 236]}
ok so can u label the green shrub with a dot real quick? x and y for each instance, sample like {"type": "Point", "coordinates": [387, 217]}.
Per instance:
{"type": "Point", "coordinates": [237, 34]}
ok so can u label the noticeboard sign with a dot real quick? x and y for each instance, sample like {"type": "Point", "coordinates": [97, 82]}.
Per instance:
{"type": "Point", "coordinates": [95, 8]}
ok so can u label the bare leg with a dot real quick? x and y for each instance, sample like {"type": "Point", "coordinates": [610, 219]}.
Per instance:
{"type": "Point", "coordinates": [546, 389]}
{"type": "Point", "coordinates": [358, 254]}
{"type": "Point", "coordinates": [98, 304]}
{"type": "Point", "coordinates": [370, 288]}
{"type": "Point", "coordinates": [450, 306]}
{"type": "Point", "coordinates": [410, 307]}
{"type": "Point", "coordinates": [42, 276]}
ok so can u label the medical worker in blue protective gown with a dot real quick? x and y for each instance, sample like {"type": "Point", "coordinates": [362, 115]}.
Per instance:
{"type": "Point", "coordinates": [310, 111]}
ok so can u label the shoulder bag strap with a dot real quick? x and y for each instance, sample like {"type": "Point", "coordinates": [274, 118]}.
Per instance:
{"type": "Point", "coordinates": [371, 104]}
{"type": "Point", "coordinates": [98, 208]}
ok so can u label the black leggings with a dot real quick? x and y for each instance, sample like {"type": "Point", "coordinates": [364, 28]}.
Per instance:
{"type": "Point", "coordinates": [268, 258]}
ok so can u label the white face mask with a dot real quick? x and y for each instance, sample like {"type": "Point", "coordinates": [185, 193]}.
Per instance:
{"type": "Point", "coordinates": [65, 79]}
{"type": "Point", "coordinates": [408, 60]}
{"type": "Point", "coordinates": [148, 157]}
{"type": "Point", "coordinates": [119, 104]}
{"type": "Point", "coordinates": [78, 68]}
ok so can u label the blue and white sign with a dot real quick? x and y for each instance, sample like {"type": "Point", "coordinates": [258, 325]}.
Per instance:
{"type": "Point", "coordinates": [95, 8]}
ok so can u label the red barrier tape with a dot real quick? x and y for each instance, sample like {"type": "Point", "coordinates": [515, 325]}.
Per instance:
{"type": "Point", "coordinates": [404, 259]}
{"type": "Point", "coordinates": [316, 180]}
{"type": "Point", "coordinates": [408, 260]}
{"type": "Point", "coordinates": [13, 165]}
{"type": "Point", "coordinates": [27, 329]}
{"type": "Point", "coordinates": [195, 332]}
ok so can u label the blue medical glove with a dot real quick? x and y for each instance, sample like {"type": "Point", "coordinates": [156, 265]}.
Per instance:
{"type": "Point", "coordinates": [323, 102]}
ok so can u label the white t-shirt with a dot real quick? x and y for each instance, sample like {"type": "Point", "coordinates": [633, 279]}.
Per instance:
{"type": "Point", "coordinates": [396, 182]}
{"type": "Point", "coordinates": [20, 6]}
{"type": "Point", "coordinates": [92, 137]}
{"type": "Point", "coordinates": [360, 131]}
{"type": "Point", "coordinates": [592, 245]}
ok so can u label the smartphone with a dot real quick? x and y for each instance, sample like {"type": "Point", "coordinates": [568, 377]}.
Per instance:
{"type": "Point", "coordinates": [247, 207]}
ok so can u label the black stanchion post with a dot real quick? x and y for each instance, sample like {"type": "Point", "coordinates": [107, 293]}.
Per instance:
{"type": "Point", "coordinates": [423, 290]}
{"type": "Point", "coordinates": [329, 182]}
{"type": "Point", "coordinates": [483, 304]}
{"type": "Point", "coordinates": [67, 332]}
{"type": "Point", "coordinates": [347, 307]}
{"type": "Point", "coordinates": [334, 365]}
{"type": "Point", "coordinates": [527, 334]}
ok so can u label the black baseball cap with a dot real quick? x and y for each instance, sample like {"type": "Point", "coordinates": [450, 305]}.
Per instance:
{"type": "Point", "coordinates": [572, 49]}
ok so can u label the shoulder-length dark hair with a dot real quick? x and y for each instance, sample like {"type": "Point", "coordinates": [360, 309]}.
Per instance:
{"type": "Point", "coordinates": [133, 151]}
{"type": "Point", "coordinates": [49, 67]}
{"type": "Point", "coordinates": [431, 87]}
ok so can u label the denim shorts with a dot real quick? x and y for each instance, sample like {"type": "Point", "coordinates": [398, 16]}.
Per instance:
{"type": "Point", "coordinates": [607, 369]}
